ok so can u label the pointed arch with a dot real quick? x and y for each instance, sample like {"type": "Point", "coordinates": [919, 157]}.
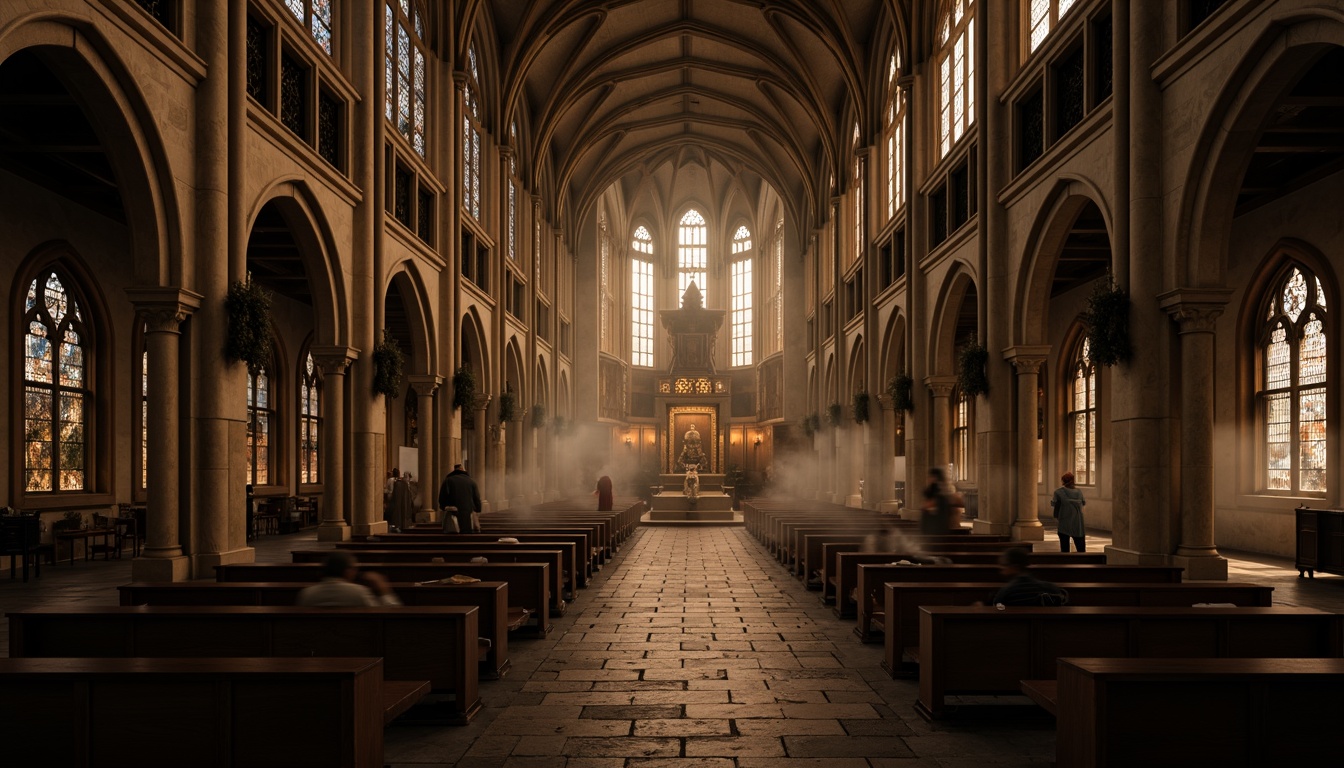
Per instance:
{"type": "Point", "coordinates": [406, 276]}
{"type": "Point", "coordinates": [956, 288]}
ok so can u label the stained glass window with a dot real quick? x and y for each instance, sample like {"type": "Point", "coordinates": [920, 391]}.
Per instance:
{"type": "Point", "coordinates": [57, 399]}
{"type": "Point", "coordinates": [405, 73]}
{"type": "Point", "coordinates": [856, 188]}
{"type": "Point", "coordinates": [144, 419]}
{"type": "Point", "coordinates": [258, 59]}
{"type": "Point", "coordinates": [315, 16]}
{"type": "Point", "coordinates": [1042, 16]}
{"type": "Point", "coordinates": [641, 315]}
{"type": "Point", "coordinates": [956, 72]}
{"type": "Point", "coordinates": [293, 95]}
{"type": "Point", "coordinates": [1293, 388]}
{"type": "Point", "coordinates": [260, 411]}
{"type": "Point", "coordinates": [963, 421]}
{"type": "Point", "coordinates": [894, 132]}
{"type": "Point", "coordinates": [471, 138]}
{"type": "Point", "coordinates": [1082, 416]}
{"type": "Point", "coordinates": [310, 422]}
{"type": "Point", "coordinates": [692, 254]}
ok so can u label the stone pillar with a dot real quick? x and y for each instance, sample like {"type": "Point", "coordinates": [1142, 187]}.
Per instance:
{"type": "Point", "coordinates": [940, 391]}
{"type": "Point", "coordinates": [513, 464]}
{"type": "Point", "coordinates": [425, 385]}
{"type": "Point", "coordinates": [333, 361]}
{"type": "Point", "coordinates": [480, 444]}
{"type": "Point", "coordinates": [1196, 312]}
{"type": "Point", "coordinates": [1027, 361]}
{"type": "Point", "coordinates": [163, 310]}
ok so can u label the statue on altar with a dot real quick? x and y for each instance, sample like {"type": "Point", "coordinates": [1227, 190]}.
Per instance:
{"type": "Point", "coordinates": [692, 454]}
{"type": "Point", "coordinates": [691, 487]}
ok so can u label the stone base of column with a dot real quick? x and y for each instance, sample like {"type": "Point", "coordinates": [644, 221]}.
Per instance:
{"type": "Point", "coordinates": [854, 500]}
{"type": "Point", "coordinates": [1202, 567]}
{"type": "Point", "coordinates": [1028, 530]}
{"type": "Point", "coordinates": [427, 516]}
{"type": "Point", "coordinates": [333, 531]}
{"type": "Point", "coordinates": [371, 529]}
{"type": "Point", "coordinates": [161, 568]}
{"type": "Point", "coordinates": [203, 565]}
{"type": "Point", "coordinates": [1121, 556]}
{"type": "Point", "coordinates": [995, 529]}
{"type": "Point", "coordinates": [485, 507]}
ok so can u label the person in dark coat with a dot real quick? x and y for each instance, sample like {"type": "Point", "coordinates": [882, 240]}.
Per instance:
{"type": "Point", "coordinates": [460, 491]}
{"type": "Point", "coordinates": [604, 495]}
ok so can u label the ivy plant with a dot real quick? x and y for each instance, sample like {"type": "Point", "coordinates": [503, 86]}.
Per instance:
{"type": "Point", "coordinates": [971, 361]}
{"type": "Point", "coordinates": [859, 408]}
{"type": "Point", "coordinates": [387, 366]}
{"type": "Point", "coordinates": [249, 333]}
{"type": "Point", "coordinates": [464, 387]}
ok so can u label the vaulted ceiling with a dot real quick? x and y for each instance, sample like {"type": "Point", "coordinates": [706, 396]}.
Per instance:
{"type": "Point", "coordinates": [618, 88]}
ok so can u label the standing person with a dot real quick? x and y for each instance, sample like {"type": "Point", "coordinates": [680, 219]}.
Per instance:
{"type": "Point", "coordinates": [604, 495]}
{"type": "Point", "coordinates": [1068, 502]}
{"type": "Point", "coordinates": [338, 589]}
{"type": "Point", "coordinates": [460, 492]}
{"type": "Point", "coordinates": [939, 501]}
{"type": "Point", "coordinates": [401, 504]}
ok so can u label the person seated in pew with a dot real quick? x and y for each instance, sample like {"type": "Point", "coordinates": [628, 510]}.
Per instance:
{"type": "Point", "coordinates": [338, 587]}
{"type": "Point", "coordinates": [1023, 588]}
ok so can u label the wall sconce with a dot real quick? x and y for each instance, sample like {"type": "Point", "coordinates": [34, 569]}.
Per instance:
{"type": "Point", "coordinates": [757, 444]}
{"type": "Point", "coordinates": [628, 442]}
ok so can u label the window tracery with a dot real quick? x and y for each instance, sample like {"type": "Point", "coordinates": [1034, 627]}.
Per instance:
{"type": "Point", "coordinates": [741, 297]}
{"type": "Point", "coordinates": [1293, 388]}
{"type": "Point", "coordinates": [956, 72]}
{"type": "Point", "coordinates": [641, 298]}
{"type": "Point", "coordinates": [1082, 416]}
{"type": "Point", "coordinates": [692, 253]}
{"type": "Point", "coordinates": [57, 401]}
{"type": "Point", "coordinates": [406, 71]}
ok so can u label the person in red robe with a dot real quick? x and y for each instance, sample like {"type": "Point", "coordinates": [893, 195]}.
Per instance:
{"type": "Point", "coordinates": [603, 492]}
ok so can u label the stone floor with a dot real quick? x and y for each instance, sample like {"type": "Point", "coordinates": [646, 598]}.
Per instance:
{"type": "Point", "coordinates": [693, 648]}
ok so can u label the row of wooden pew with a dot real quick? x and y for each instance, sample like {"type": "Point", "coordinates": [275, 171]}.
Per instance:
{"type": "Point", "coordinates": [213, 673]}
{"type": "Point", "coordinates": [1130, 636]}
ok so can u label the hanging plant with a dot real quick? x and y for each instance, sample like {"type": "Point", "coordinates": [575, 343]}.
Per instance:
{"type": "Point", "coordinates": [834, 413]}
{"type": "Point", "coordinates": [387, 365]}
{"type": "Point", "coordinates": [859, 408]}
{"type": "Point", "coordinates": [811, 424]}
{"type": "Point", "coordinates": [901, 389]}
{"type": "Point", "coordinates": [464, 387]}
{"type": "Point", "coordinates": [1107, 319]}
{"type": "Point", "coordinates": [538, 416]}
{"type": "Point", "coordinates": [508, 406]}
{"type": "Point", "coordinates": [971, 361]}
{"type": "Point", "coordinates": [249, 333]}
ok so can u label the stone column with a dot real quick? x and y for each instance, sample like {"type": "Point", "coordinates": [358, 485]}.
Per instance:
{"type": "Point", "coordinates": [425, 385]}
{"type": "Point", "coordinates": [163, 310]}
{"type": "Point", "coordinates": [940, 391]}
{"type": "Point", "coordinates": [1027, 361]}
{"type": "Point", "coordinates": [1196, 312]}
{"type": "Point", "coordinates": [480, 444]}
{"type": "Point", "coordinates": [513, 463]}
{"type": "Point", "coordinates": [333, 361]}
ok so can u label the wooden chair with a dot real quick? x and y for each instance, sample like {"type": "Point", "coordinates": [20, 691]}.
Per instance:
{"type": "Point", "coordinates": [106, 548]}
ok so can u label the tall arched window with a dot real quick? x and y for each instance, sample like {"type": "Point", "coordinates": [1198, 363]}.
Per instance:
{"type": "Point", "coordinates": [856, 186]}
{"type": "Point", "coordinates": [894, 133]}
{"type": "Point", "coordinates": [405, 70]}
{"type": "Point", "coordinates": [1292, 393]}
{"type": "Point", "coordinates": [692, 253]}
{"type": "Point", "coordinates": [57, 397]}
{"type": "Point", "coordinates": [310, 422]}
{"type": "Point", "coordinates": [956, 72]}
{"type": "Point", "coordinates": [741, 297]}
{"type": "Point", "coordinates": [963, 436]}
{"type": "Point", "coordinates": [513, 192]}
{"type": "Point", "coordinates": [260, 413]}
{"type": "Point", "coordinates": [1082, 416]}
{"type": "Point", "coordinates": [315, 16]}
{"type": "Point", "coordinates": [1041, 16]}
{"type": "Point", "coordinates": [641, 299]}
{"type": "Point", "coordinates": [144, 420]}
{"type": "Point", "coordinates": [471, 137]}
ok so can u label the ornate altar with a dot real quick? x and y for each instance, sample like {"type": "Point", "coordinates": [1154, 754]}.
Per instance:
{"type": "Point", "coordinates": [692, 396]}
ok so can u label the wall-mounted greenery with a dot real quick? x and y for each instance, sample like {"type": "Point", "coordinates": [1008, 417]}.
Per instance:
{"type": "Point", "coordinates": [901, 389]}
{"type": "Point", "coordinates": [971, 361]}
{"type": "Point", "coordinates": [249, 334]}
{"type": "Point", "coordinates": [464, 387]}
{"type": "Point", "coordinates": [859, 408]}
{"type": "Point", "coordinates": [387, 366]}
{"type": "Point", "coordinates": [811, 424]}
{"type": "Point", "coordinates": [538, 416]}
{"type": "Point", "coordinates": [834, 413]}
{"type": "Point", "coordinates": [508, 406]}
{"type": "Point", "coordinates": [1107, 319]}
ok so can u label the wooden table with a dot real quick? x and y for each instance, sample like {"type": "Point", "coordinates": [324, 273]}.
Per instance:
{"type": "Point", "coordinates": [86, 534]}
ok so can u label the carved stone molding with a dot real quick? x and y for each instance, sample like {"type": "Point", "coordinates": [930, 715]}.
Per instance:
{"type": "Point", "coordinates": [424, 384]}
{"type": "Point", "coordinates": [480, 402]}
{"type": "Point", "coordinates": [1027, 358]}
{"type": "Point", "coordinates": [333, 360]}
{"type": "Point", "coordinates": [940, 386]}
{"type": "Point", "coordinates": [163, 308]}
{"type": "Point", "coordinates": [886, 401]}
{"type": "Point", "coordinates": [1195, 310]}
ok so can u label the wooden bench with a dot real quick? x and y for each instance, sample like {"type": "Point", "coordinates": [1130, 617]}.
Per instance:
{"type": "Point", "coordinates": [987, 651]}
{"type": "Point", "coordinates": [1180, 712]}
{"type": "Point", "coordinates": [836, 572]}
{"type": "Point", "coordinates": [499, 553]}
{"type": "Point", "coordinates": [603, 534]}
{"type": "Point", "coordinates": [529, 583]}
{"type": "Point", "coordinates": [434, 643]}
{"type": "Point", "coordinates": [899, 619]}
{"type": "Point", "coordinates": [583, 551]}
{"type": "Point", "coordinates": [814, 564]}
{"type": "Point", "coordinates": [200, 712]}
{"type": "Point", "coordinates": [491, 598]}
{"type": "Point", "coordinates": [872, 579]}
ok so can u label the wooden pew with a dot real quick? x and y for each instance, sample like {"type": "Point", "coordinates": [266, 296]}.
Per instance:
{"type": "Point", "coordinates": [217, 712]}
{"type": "Point", "coordinates": [436, 643]}
{"type": "Point", "coordinates": [603, 531]}
{"type": "Point", "coordinates": [986, 651]}
{"type": "Point", "coordinates": [1179, 712]}
{"type": "Point", "coordinates": [872, 578]}
{"type": "Point", "coordinates": [789, 550]}
{"type": "Point", "coordinates": [529, 583]}
{"type": "Point", "coordinates": [583, 550]}
{"type": "Point", "coordinates": [496, 553]}
{"type": "Point", "coordinates": [489, 597]}
{"type": "Point", "coordinates": [939, 545]}
{"type": "Point", "coordinates": [811, 543]}
{"type": "Point", "coordinates": [899, 619]}
{"type": "Point", "coordinates": [780, 525]}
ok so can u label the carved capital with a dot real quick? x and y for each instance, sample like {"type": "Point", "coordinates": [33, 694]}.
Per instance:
{"type": "Point", "coordinates": [480, 402]}
{"type": "Point", "coordinates": [1195, 310]}
{"type": "Point", "coordinates": [460, 79]}
{"type": "Point", "coordinates": [886, 401]}
{"type": "Point", "coordinates": [333, 360]}
{"type": "Point", "coordinates": [424, 384]}
{"type": "Point", "coordinates": [940, 386]}
{"type": "Point", "coordinates": [1027, 358]}
{"type": "Point", "coordinates": [163, 309]}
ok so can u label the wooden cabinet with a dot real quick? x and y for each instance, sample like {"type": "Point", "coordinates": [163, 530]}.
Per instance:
{"type": "Point", "coordinates": [1320, 541]}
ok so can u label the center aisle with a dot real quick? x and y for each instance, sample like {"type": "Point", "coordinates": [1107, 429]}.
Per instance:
{"type": "Point", "coordinates": [695, 648]}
